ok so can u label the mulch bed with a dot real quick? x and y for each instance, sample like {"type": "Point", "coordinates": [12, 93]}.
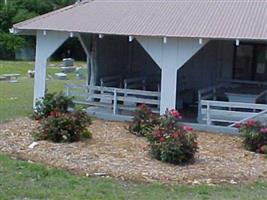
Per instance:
{"type": "Point", "coordinates": [113, 151]}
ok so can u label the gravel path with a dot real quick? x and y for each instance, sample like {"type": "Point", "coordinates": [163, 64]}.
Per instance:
{"type": "Point", "coordinates": [115, 152]}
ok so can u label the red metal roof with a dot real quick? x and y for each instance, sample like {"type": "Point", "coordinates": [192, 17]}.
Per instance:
{"type": "Point", "coordinates": [226, 19]}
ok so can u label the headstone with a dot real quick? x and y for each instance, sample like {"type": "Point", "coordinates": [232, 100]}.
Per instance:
{"type": "Point", "coordinates": [68, 62]}
{"type": "Point", "coordinates": [68, 65]}
{"type": "Point", "coordinates": [61, 76]}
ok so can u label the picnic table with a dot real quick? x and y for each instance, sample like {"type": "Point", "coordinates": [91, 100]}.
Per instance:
{"type": "Point", "coordinates": [11, 77]}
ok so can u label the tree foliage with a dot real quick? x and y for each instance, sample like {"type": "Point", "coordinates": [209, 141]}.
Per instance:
{"type": "Point", "coordinates": [19, 10]}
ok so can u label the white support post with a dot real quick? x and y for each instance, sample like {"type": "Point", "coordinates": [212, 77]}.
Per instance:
{"type": "Point", "coordinates": [170, 55]}
{"type": "Point", "coordinates": [40, 74]}
{"type": "Point", "coordinates": [168, 89]}
{"type": "Point", "coordinates": [46, 45]}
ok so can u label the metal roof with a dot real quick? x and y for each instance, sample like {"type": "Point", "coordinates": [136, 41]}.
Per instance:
{"type": "Point", "coordinates": [226, 19]}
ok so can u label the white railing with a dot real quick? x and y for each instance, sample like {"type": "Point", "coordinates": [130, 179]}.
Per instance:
{"type": "Point", "coordinates": [231, 112]}
{"type": "Point", "coordinates": [210, 110]}
{"type": "Point", "coordinates": [113, 98]}
{"type": "Point", "coordinates": [209, 93]}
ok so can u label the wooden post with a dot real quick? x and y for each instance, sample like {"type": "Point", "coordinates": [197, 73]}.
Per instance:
{"type": "Point", "coordinates": [115, 102]}
{"type": "Point", "coordinates": [93, 62]}
{"type": "Point", "coordinates": [144, 84]}
{"type": "Point", "coordinates": [208, 114]}
{"type": "Point", "coordinates": [214, 94]}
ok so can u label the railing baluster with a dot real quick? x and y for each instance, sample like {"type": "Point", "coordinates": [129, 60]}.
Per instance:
{"type": "Point", "coordinates": [208, 114]}
{"type": "Point", "coordinates": [115, 102]}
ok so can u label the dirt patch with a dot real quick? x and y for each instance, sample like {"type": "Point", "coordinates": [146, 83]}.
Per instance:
{"type": "Point", "coordinates": [117, 153]}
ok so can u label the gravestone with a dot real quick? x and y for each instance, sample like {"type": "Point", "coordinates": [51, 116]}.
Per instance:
{"type": "Point", "coordinates": [68, 65]}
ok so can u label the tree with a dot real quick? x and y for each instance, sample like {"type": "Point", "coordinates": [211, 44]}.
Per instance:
{"type": "Point", "coordinates": [19, 10]}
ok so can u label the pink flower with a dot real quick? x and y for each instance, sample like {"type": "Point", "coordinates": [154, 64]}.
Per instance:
{"type": "Point", "coordinates": [162, 139]}
{"type": "Point", "coordinates": [263, 130]}
{"type": "Point", "coordinates": [175, 135]}
{"type": "Point", "coordinates": [188, 128]}
{"type": "Point", "coordinates": [175, 114]}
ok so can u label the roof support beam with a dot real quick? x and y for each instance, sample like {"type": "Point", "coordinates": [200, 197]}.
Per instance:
{"type": "Point", "coordinates": [170, 57]}
{"type": "Point", "coordinates": [88, 43]}
{"type": "Point", "coordinates": [46, 45]}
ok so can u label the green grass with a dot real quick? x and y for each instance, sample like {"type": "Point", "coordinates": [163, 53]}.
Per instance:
{"type": "Point", "coordinates": [16, 98]}
{"type": "Point", "coordinates": [24, 180]}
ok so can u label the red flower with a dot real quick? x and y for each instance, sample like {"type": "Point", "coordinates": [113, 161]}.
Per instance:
{"type": "Point", "coordinates": [158, 133]}
{"type": "Point", "coordinates": [52, 113]}
{"type": "Point", "coordinates": [251, 123]}
{"type": "Point", "coordinates": [188, 128]}
{"type": "Point", "coordinates": [175, 114]}
{"type": "Point", "coordinates": [162, 139]}
{"type": "Point", "coordinates": [237, 125]}
{"type": "Point", "coordinates": [175, 135]}
{"type": "Point", "coordinates": [142, 106]}
{"type": "Point", "coordinates": [263, 149]}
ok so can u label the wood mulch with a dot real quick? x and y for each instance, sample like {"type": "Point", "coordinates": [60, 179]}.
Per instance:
{"type": "Point", "coordinates": [114, 152]}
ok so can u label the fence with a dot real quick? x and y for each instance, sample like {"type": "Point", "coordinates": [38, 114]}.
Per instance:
{"type": "Point", "coordinates": [113, 98]}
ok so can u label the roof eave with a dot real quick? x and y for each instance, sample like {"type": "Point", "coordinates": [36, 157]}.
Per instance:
{"type": "Point", "coordinates": [18, 31]}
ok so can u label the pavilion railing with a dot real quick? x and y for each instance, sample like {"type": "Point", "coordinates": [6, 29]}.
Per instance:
{"type": "Point", "coordinates": [231, 112]}
{"type": "Point", "coordinates": [113, 98]}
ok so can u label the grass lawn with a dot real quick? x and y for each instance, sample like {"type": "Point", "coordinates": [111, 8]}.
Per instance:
{"type": "Point", "coordinates": [24, 180]}
{"type": "Point", "coordinates": [16, 98]}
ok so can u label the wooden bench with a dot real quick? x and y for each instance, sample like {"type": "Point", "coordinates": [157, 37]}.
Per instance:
{"type": "Point", "coordinates": [111, 81]}
{"type": "Point", "coordinates": [135, 83]}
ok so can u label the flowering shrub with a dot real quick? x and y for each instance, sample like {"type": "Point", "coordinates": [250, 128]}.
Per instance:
{"type": "Point", "coordinates": [144, 121]}
{"type": "Point", "coordinates": [63, 127]}
{"type": "Point", "coordinates": [173, 143]}
{"type": "Point", "coordinates": [254, 136]}
{"type": "Point", "coordinates": [52, 102]}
